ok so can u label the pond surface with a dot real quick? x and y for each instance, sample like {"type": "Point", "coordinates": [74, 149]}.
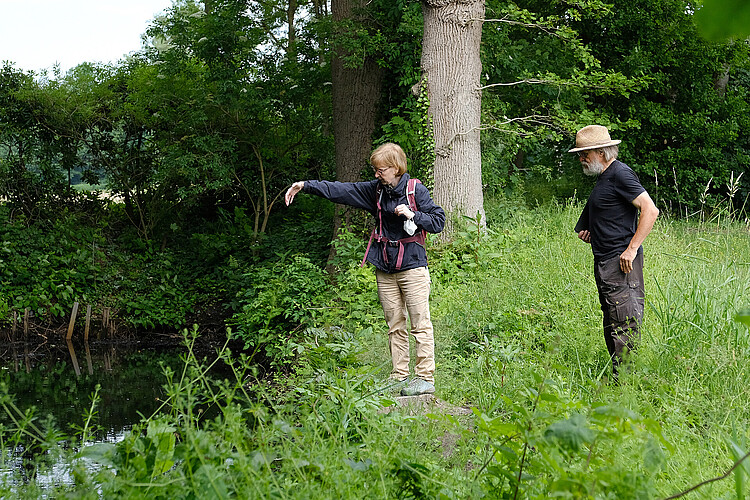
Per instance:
{"type": "Point", "coordinates": [58, 378]}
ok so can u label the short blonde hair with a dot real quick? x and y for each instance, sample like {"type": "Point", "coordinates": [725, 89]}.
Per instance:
{"type": "Point", "coordinates": [389, 155]}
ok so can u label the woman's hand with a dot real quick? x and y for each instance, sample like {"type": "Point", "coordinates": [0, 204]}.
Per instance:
{"type": "Point", "coordinates": [405, 211]}
{"type": "Point", "coordinates": [292, 192]}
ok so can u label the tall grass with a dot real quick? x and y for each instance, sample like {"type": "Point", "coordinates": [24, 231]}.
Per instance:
{"type": "Point", "coordinates": [691, 370]}
{"type": "Point", "coordinates": [518, 340]}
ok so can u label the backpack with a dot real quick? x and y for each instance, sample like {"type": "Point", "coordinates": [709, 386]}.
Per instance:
{"type": "Point", "coordinates": [377, 232]}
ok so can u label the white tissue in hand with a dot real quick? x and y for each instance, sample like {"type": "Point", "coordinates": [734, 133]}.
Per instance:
{"type": "Point", "coordinates": [410, 227]}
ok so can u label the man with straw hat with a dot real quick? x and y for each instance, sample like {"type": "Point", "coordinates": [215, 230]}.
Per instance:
{"type": "Point", "coordinates": [611, 224]}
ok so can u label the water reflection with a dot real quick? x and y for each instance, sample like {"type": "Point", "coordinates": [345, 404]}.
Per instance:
{"type": "Point", "coordinates": [48, 376]}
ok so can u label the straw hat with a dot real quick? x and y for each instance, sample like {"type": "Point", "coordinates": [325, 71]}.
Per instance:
{"type": "Point", "coordinates": [593, 137]}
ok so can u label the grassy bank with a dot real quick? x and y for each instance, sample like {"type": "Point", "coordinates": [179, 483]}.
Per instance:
{"type": "Point", "coordinates": [518, 341]}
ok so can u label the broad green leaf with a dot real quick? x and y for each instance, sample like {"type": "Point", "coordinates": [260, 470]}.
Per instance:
{"type": "Point", "coordinates": [570, 434]}
{"type": "Point", "coordinates": [260, 459]}
{"type": "Point", "coordinates": [358, 466]}
{"type": "Point", "coordinates": [550, 397]}
{"type": "Point", "coordinates": [507, 452]}
{"type": "Point", "coordinates": [163, 437]}
{"type": "Point", "coordinates": [615, 412]}
{"type": "Point", "coordinates": [212, 481]}
{"type": "Point", "coordinates": [740, 472]}
{"type": "Point", "coordinates": [101, 453]}
{"type": "Point", "coordinates": [737, 453]}
{"type": "Point", "coordinates": [653, 456]}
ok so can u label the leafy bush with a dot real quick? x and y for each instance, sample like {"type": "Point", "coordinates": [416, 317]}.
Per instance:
{"type": "Point", "coordinates": [155, 290]}
{"type": "Point", "coordinates": [48, 266]}
{"type": "Point", "coordinates": [279, 299]}
{"type": "Point", "coordinates": [545, 444]}
{"type": "Point", "coordinates": [4, 310]}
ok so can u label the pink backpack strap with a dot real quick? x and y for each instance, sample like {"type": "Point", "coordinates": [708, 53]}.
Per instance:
{"type": "Point", "coordinates": [378, 196]}
{"type": "Point", "coordinates": [369, 244]}
{"type": "Point", "coordinates": [411, 188]}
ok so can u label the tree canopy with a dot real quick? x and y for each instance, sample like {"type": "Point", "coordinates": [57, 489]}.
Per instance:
{"type": "Point", "coordinates": [230, 100]}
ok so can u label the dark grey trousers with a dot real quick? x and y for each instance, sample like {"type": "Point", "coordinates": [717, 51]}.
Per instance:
{"type": "Point", "coordinates": [622, 297]}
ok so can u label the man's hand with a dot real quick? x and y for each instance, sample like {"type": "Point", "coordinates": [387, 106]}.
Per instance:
{"type": "Point", "coordinates": [646, 220]}
{"type": "Point", "coordinates": [292, 191]}
{"type": "Point", "coordinates": [405, 211]}
{"type": "Point", "coordinates": [585, 235]}
{"type": "Point", "coordinates": [626, 260]}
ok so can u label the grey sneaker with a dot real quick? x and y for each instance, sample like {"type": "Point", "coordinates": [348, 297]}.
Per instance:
{"type": "Point", "coordinates": [418, 386]}
{"type": "Point", "coordinates": [395, 385]}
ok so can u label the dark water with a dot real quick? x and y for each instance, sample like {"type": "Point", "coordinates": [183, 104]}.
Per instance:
{"type": "Point", "coordinates": [58, 379]}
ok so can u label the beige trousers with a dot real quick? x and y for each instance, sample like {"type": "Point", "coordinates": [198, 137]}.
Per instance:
{"type": "Point", "coordinates": [408, 292]}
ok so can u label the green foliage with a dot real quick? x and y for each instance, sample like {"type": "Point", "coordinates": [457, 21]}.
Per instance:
{"type": "Point", "coordinates": [518, 341]}
{"type": "Point", "coordinates": [639, 68]}
{"type": "Point", "coordinates": [462, 258]}
{"type": "Point", "coordinates": [209, 114]}
{"type": "Point", "coordinates": [543, 444]}
{"type": "Point", "coordinates": [145, 457]}
{"type": "Point", "coordinates": [48, 267]}
{"type": "Point", "coordinates": [278, 299]}
{"type": "Point", "coordinates": [89, 258]}
{"type": "Point", "coordinates": [743, 317]}
{"type": "Point", "coordinates": [329, 350]}
{"type": "Point", "coordinates": [414, 133]}
{"type": "Point", "coordinates": [155, 293]}
{"type": "Point", "coordinates": [351, 302]}
{"type": "Point", "coordinates": [324, 438]}
{"type": "Point", "coordinates": [720, 20]}
{"type": "Point", "coordinates": [4, 310]}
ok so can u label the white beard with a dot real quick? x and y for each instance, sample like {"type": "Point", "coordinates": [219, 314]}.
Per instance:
{"type": "Point", "coordinates": [593, 167]}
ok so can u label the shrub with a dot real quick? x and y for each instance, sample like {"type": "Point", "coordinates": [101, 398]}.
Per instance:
{"type": "Point", "coordinates": [279, 299]}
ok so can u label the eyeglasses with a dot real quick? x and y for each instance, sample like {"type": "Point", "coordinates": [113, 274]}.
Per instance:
{"type": "Point", "coordinates": [583, 154]}
{"type": "Point", "coordinates": [380, 171]}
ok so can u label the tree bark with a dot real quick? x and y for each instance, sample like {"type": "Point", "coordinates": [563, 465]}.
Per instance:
{"type": "Point", "coordinates": [355, 93]}
{"type": "Point", "coordinates": [291, 46]}
{"type": "Point", "coordinates": [452, 67]}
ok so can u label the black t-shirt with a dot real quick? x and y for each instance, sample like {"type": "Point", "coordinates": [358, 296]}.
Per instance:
{"type": "Point", "coordinates": [609, 214]}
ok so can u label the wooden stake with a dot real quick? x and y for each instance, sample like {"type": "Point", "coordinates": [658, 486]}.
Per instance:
{"type": "Point", "coordinates": [26, 323]}
{"type": "Point", "coordinates": [72, 323]}
{"type": "Point", "coordinates": [26, 357]}
{"type": "Point", "coordinates": [88, 323]}
{"type": "Point", "coordinates": [105, 321]}
{"type": "Point", "coordinates": [15, 326]}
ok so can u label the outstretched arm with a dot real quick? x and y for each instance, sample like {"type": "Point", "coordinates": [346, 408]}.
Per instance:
{"type": "Point", "coordinates": [646, 220]}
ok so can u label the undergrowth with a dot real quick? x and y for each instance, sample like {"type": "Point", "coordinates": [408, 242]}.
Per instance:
{"type": "Point", "coordinates": [519, 352]}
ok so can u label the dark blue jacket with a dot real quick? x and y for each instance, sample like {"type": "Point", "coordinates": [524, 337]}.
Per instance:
{"type": "Point", "coordinates": [428, 216]}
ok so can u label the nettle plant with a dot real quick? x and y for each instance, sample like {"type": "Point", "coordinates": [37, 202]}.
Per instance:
{"type": "Point", "coordinates": [277, 302]}
{"type": "Point", "coordinates": [545, 443]}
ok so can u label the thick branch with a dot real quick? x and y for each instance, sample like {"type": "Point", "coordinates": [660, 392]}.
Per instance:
{"type": "Point", "coordinates": [519, 82]}
{"type": "Point", "coordinates": [534, 81]}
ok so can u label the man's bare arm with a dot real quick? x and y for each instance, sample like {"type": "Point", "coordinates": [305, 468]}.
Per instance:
{"type": "Point", "coordinates": [646, 220]}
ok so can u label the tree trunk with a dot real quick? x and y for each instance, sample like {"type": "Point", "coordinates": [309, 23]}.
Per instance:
{"type": "Point", "coordinates": [355, 93]}
{"type": "Point", "coordinates": [291, 46]}
{"type": "Point", "coordinates": [452, 68]}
